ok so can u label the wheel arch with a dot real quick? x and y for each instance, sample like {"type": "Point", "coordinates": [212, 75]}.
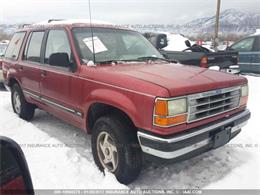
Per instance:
{"type": "Point", "coordinates": [102, 102]}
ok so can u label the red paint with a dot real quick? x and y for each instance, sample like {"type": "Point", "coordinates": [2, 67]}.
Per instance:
{"type": "Point", "coordinates": [14, 187]}
{"type": "Point", "coordinates": [130, 88]}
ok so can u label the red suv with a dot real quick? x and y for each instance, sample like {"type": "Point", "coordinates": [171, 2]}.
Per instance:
{"type": "Point", "coordinates": [136, 104]}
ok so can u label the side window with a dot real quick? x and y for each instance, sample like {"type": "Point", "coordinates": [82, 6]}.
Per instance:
{"type": "Point", "coordinates": [244, 45]}
{"type": "Point", "coordinates": [257, 44]}
{"type": "Point", "coordinates": [12, 52]}
{"type": "Point", "coordinates": [58, 48]}
{"type": "Point", "coordinates": [33, 47]}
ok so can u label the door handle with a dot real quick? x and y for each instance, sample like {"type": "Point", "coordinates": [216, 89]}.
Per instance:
{"type": "Point", "coordinates": [43, 73]}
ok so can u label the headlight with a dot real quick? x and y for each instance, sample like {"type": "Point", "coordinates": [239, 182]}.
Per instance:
{"type": "Point", "coordinates": [178, 106]}
{"type": "Point", "coordinates": [170, 112]}
{"type": "Point", "coordinates": [244, 95]}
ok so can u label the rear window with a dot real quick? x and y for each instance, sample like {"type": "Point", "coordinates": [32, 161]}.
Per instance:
{"type": "Point", "coordinates": [33, 49]}
{"type": "Point", "coordinates": [12, 52]}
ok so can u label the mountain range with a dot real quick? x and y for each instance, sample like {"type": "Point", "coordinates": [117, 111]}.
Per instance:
{"type": "Point", "coordinates": [231, 21]}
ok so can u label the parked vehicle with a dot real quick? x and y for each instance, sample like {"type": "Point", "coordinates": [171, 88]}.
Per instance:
{"type": "Point", "coordinates": [14, 171]}
{"type": "Point", "coordinates": [135, 103]}
{"type": "Point", "coordinates": [3, 46]}
{"type": "Point", "coordinates": [249, 53]}
{"type": "Point", "coordinates": [194, 54]}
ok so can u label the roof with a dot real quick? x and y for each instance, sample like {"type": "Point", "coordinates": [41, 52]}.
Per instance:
{"type": "Point", "coordinates": [71, 22]}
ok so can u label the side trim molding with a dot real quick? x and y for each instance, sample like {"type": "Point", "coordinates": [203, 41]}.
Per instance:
{"type": "Point", "coordinates": [49, 102]}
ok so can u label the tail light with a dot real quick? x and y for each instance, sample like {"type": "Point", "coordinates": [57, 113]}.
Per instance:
{"type": "Point", "coordinates": [204, 62]}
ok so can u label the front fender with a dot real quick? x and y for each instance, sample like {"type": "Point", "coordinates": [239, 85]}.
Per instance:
{"type": "Point", "coordinates": [116, 99]}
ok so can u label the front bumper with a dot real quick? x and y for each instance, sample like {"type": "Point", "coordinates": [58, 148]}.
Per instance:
{"type": "Point", "coordinates": [192, 142]}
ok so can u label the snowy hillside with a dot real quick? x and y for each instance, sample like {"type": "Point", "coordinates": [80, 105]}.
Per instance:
{"type": "Point", "coordinates": [231, 21]}
{"type": "Point", "coordinates": [59, 156]}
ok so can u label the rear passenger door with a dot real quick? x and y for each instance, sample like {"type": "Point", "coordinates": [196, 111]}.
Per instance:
{"type": "Point", "coordinates": [56, 73]}
{"type": "Point", "coordinates": [31, 63]}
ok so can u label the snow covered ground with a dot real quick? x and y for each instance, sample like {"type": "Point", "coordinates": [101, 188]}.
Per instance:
{"type": "Point", "coordinates": [59, 156]}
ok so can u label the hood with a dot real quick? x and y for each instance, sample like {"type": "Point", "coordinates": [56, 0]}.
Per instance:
{"type": "Point", "coordinates": [178, 79]}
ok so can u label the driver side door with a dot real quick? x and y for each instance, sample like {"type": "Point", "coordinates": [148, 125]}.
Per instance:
{"type": "Point", "coordinates": [57, 79]}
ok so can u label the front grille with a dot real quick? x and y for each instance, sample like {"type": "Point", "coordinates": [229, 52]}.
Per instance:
{"type": "Point", "coordinates": [211, 103]}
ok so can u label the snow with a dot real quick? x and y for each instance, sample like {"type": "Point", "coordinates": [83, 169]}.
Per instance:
{"type": "Point", "coordinates": [73, 21]}
{"type": "Point", "coordinates": [59, 156]}
{"type": "Point", "coordinates": [257, 32]}
{"type": "Point", "coordinates": [176, 42]}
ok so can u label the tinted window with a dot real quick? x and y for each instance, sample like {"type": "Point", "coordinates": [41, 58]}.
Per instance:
{"type": "Point", "coordinates": [9, 168]}
{"type": "Point", "coordinates": [244, 45]}
{"type": "Point", "coordinates": [57, 42]}
{"type": "Point", "coordinates": [33, 48]}
{"type": "Point", "coordinates": [257, 44]}
{"type": "Point", "coordinates": [14, 47]}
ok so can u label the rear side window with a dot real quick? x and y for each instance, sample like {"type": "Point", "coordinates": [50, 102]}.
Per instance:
{"type": "Point", "coordinates": [12, 52]}
{"type": "Point", "coordinates": [33, 47]}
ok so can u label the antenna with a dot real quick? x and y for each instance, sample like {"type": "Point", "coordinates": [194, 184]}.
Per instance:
{"type": "Point", "coordinates": [91, 29]}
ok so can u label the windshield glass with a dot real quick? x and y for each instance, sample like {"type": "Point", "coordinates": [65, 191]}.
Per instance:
{"type": "Point", "coordinates": [113, 45]}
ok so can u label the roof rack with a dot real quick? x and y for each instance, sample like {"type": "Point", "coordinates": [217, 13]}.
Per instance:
{"type": "Point", "coordinates": [54, 20]}
{"type": "Point", "coordinates": [24, 25]}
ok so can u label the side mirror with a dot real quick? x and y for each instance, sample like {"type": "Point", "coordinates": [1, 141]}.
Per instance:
{"type": "Point", "coordinates": [161, 41]}
{"type": "Point", "coordinates": [187, 43]}
{"type": "Point", "coordinates": [14, 173]}
{"type": "Point", "coordinates": [158, 40]}
{"type": "Point", "coordinates": [59, 59]}
{"type": "Point", "coordinates": [62, 60]}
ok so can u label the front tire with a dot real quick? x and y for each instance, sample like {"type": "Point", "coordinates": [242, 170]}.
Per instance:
{"type": "Point", "coordinates": [115, 148]}
{"type": "Point", "coordinates": [22, 108]}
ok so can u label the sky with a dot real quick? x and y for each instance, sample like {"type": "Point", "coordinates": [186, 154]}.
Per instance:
{"type": "Point", "coordinates": [118, 11]}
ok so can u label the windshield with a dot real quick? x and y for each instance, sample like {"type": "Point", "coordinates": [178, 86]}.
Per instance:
{"type": "Point", "coordinates": [113, 45]}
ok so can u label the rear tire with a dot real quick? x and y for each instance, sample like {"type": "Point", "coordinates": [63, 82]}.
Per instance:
{"type": "Point", "coordinates": [22, 108]}
{"type": "Point", "coordinates": [122, 144]}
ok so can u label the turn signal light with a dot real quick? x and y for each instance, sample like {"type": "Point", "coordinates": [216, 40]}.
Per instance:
{"type": "Point", "coordinates": [168, 121]}
{"type": "Point", "coordinates": [204, 62]}
{"type": "Point", "coordinates": [161, 107]}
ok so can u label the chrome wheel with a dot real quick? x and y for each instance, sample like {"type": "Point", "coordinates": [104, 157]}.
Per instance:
{"type": "Point", "coordinates": [17, 102]}
{"type": "Point", "coordinates": [107, 151]}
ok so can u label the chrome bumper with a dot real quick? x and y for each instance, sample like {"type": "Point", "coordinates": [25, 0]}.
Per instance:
{"type": "Point", "coordinates": [194, 139]}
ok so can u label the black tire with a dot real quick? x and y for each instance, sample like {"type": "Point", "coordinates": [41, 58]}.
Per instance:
{"type": "Point", "coordinates": [128, 149]}
{"type": "Point", "coordinates": [26, 110]}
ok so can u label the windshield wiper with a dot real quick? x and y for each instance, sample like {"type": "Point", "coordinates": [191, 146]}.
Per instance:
{"type": "Point", "coordinates": [155, 58]}
{"type": "Point", "coordinates": [145, 58]}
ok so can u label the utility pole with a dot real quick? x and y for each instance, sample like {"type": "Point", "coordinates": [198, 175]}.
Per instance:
{"type": "Point", "coordinates": [217, 24]}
